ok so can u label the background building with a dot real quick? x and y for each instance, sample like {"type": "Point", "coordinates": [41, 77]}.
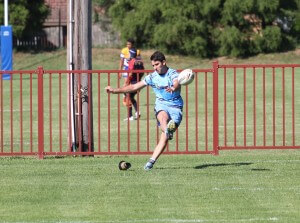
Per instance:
{"type": "Point", "coordinates": [55, 26]}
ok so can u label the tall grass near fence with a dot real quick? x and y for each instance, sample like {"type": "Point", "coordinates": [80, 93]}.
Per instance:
{"type": "Point", "coordinates": [241, 93]}
{"type": "Point", "coordinates": [259, 106]}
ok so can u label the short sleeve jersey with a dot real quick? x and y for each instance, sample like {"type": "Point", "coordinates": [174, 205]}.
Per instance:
{"type": "Point", "coordinates": [126, 56]}
{"type": "Point", "coordinates": [159, 83]}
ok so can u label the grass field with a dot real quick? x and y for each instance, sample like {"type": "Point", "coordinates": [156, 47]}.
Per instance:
{"type": "Point", "coordinates": [256, 186]}
{"type": "Point", "coordinates": [236, 186]}
{"type": "Point", "coordinates": [109, 59]}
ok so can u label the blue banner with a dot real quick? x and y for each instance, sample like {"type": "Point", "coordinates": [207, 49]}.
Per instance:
{"type": "Point", "coordinates": [6, 50]}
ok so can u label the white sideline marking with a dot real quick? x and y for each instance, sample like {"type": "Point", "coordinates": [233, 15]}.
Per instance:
{"type": "Point", "coordinates": [275, 161]}
{"type": "Point", "coordinates": [166, 220]}
{"type": "Point", "coordinates": [23, 110]}
{"type": "Point", "coordinates": [248, 125]}
{"type": "Point", "coordinates": [253, 189]}
{"type": "Point", "coordinates": [17, 110]}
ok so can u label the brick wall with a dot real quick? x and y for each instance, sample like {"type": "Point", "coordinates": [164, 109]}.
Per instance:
{"type": "Point", "coordinates": [59, 12]}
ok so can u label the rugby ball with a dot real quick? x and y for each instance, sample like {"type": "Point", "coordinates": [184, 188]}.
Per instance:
{"type": "Point", "coordinates": [186, 77]}
{"type": "Point", "coordinates": [124, 165]}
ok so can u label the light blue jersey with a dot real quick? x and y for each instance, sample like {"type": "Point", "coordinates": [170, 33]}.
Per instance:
{"type": "Point", "coordinates": [170, 102]}
{"type": "Point", "coordinates": [159, 83]}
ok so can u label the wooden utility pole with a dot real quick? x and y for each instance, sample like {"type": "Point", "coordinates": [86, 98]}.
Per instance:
{"type": "Point", "coordinates": [82, 57]}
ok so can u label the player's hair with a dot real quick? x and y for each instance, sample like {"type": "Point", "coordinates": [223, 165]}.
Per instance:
{"type": "Point", "coordinates": [158, 56]}
{"type": "Point", "coordinates": [130, 40]}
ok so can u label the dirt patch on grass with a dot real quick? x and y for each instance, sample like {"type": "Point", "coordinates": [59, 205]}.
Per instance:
{"type": "Point", "coordinates": [297, 52]}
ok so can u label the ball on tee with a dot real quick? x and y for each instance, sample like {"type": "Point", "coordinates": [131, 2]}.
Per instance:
{"type": "Point", "coordinates": [186, 77]}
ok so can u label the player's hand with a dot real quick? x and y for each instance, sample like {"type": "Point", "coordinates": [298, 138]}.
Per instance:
{"type": "Point", "coordinates": [170, 89]}
{"type": "Point", "coordinates": [109, 89]}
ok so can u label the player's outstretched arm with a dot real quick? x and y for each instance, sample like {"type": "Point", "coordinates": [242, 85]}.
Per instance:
{"type": "Point", "coordinates": [126, 89]}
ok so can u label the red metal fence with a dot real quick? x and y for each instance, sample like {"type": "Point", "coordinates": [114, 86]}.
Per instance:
{"type": "Point", "coordinates": [226, 107]}
{"type": "Point", "coordinates": [259, 106]}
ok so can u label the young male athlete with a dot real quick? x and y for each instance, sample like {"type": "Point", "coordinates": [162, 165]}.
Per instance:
{"type": "Point", "coordinates": [168, 103]}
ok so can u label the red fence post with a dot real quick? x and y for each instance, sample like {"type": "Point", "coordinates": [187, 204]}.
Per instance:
{"type": "Point", "coordinates": [215, 108]}
{"type": "Point", "coordinates": [40, 73]}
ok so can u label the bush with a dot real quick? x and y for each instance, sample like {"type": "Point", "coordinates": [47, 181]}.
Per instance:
{"type": "Point", "coordinates": [271, 39]}
{"type": "Point", "coordinates": [232, 42]}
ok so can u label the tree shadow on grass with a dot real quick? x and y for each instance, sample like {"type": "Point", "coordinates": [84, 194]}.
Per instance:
{"type": "Point", "coordinates": [260, 169]}
{"type": "Point", "coordinates": [44, 60]}
{"type": "Point", "coordinates": [204, 166]}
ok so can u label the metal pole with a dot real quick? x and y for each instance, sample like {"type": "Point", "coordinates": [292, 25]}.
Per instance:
{"type": "Point", "coordinates": [72, 75]}
{"type": "Point", "coordinates": [71, 35]}
{"type": "Point", "coordinates": [215, 109]}
{"type": "Point", "coordinates": [41, 133]}
{"type": "Point", "coordinates": [6, 12]}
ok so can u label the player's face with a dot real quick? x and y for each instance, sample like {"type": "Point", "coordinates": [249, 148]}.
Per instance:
{"type": "Point", "coordinates": [158, 65]}
{"type": "Point", "coordinates": [129, 45]}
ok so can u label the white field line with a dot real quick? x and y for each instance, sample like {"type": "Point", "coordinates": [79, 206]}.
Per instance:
{"type": "Point", "coordinates": [276, 161]}
{"type": "Point", "coordinates": [55, 130]}
{"type": "Point", "coordinates": [253, 189]}
{"type": "Point", "coordinates": [17, 110]}
{"type": "Point", "coordinates": [251, 125]}
{"type": "Point", "coordinates": [23, 110]}
{"type": "Point", "coordinates": [270, 219]}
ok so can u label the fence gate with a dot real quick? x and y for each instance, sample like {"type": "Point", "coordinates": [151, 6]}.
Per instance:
{"type": "Point", "coordinates": [226, 107]}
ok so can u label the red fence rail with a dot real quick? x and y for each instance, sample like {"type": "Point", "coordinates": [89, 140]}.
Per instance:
{"type": "Point", "coordinates": [226, 107]}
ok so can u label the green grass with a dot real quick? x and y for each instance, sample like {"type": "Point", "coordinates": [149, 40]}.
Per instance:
{"type": "Point", "coordinates": [109, 59]}
{"type": "Point", "coordinates": [256, 186]}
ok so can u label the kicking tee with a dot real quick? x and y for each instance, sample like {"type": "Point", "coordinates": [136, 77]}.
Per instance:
{"type": "Point", "coordinates": [159, 83]}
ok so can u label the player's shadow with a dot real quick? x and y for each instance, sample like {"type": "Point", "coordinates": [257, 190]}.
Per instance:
{"type": "Point", "coordinates": [204, 166]}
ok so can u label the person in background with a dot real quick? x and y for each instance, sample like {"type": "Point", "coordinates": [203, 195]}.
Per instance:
{"type": "Point", "coordinates": [133, 78]}
{"type": "Point", "coordinates": [124, 65]}
{"type": "Point", "coordinates": [125, 58]}
{"type": "Point", "coordinates": [168, 103]}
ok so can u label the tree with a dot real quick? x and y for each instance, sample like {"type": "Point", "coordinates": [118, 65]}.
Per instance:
{"type": "Point", "coordinates": [26, 17]}
{"type": "Point", "coordinates": [209, 28]}
{"type": "Point", "coordinates": [296, 27]}
{"type": "Point", "coordinates": [174, 26]}
{"type": "Point", "coordinates": [263, 26]}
